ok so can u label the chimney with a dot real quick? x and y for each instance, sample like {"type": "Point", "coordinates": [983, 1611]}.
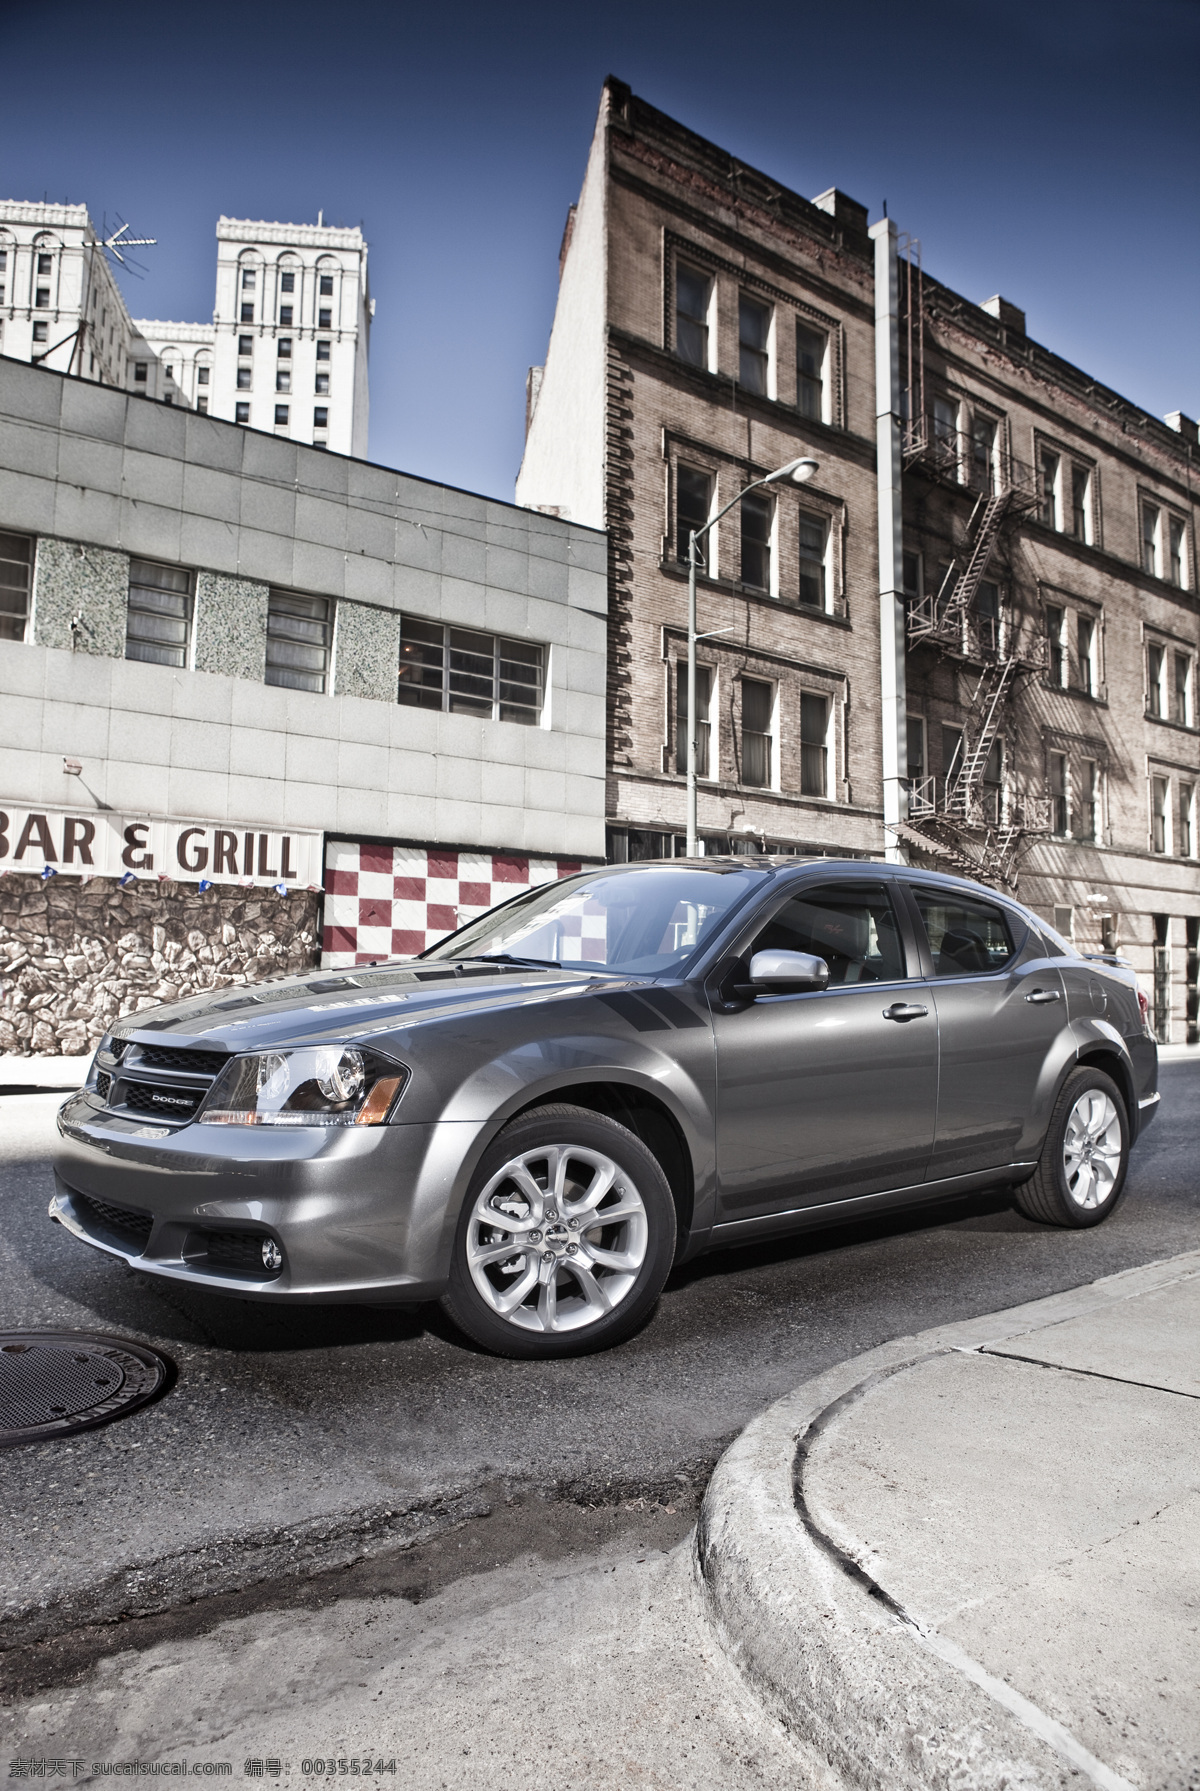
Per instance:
{"type": "Point", "coordinates": [1006, 313]}
{"type": "Point", "coordinates": [846, 212]}
{"type": "Point", "coordinates": [1185, 426]}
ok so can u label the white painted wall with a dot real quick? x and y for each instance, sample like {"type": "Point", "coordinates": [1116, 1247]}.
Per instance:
{"type": "Point", "coordinates": [563, 466]}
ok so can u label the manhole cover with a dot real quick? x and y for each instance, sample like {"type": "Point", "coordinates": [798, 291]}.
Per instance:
{"type": "Point", "coordinates": [53, 1383]}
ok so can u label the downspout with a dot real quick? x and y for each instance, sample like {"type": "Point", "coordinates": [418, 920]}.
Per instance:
{"type": "Point", "coordinates": [893, 696]}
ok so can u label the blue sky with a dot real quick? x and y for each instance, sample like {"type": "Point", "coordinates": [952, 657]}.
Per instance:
{"type": "Point", "coordinates": [1047, 151]}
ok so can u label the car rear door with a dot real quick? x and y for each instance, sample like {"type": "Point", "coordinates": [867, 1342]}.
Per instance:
{"type": "Point", "coordinates": [1000, 1011]}
{"type": "Point", "coordinates": [823, 1095]}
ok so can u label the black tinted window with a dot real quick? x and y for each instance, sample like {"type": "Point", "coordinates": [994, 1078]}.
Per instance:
{"type": "Point", "coordinates": [850, 925]}
{"type": "Point", "coordinates": [965, 935]}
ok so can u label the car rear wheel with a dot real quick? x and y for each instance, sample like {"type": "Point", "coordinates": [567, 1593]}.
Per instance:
{"type": "Point", "coordinates": [1079, 1178]}
{"type": "Point", "coordinates": [565, 1239]}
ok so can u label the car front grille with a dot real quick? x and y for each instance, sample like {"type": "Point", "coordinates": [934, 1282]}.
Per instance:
{"type": "Point", "coordinates": [167, 1081]}
{"type": "Point", "coordinates": [131, 1226]}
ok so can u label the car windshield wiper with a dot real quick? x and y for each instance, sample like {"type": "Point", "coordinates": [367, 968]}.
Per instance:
{"type": "Point", "coordinates": [506, 957]}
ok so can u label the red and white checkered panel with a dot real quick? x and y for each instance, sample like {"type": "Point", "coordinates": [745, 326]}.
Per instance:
{"type": "Point", "coordinates": [393, 901]}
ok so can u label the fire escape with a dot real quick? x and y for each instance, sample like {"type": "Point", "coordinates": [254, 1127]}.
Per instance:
{"type": "Point", "coordinates": [970, 820]}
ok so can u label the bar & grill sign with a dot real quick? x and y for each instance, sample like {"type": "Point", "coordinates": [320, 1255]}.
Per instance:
{"type": "Point", "coordinates": [99, 843]}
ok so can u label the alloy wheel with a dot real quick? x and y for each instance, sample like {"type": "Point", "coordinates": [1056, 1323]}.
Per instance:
{"type": "Point", "coordinates": [557, 1238]}
{"type": "Point", "coordinates": [1092, 1149]}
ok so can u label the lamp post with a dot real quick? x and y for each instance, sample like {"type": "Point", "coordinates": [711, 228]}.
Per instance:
{"type": "Point", "coordinates": [796, 472]}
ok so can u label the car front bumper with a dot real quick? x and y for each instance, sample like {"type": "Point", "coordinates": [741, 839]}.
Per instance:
{"type": "Point", "coordinates": [355, 1213]}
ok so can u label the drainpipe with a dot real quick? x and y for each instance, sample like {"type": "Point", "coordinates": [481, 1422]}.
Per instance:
{"type": "Point", "coordinates": [893, 704]}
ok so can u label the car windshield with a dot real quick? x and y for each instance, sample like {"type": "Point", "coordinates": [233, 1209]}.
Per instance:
{"type": "Point", "coordinates": [644, 921]}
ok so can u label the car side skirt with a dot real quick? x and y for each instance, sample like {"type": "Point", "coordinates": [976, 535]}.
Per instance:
{"type": "Point", "coordinates": [834, 1212]}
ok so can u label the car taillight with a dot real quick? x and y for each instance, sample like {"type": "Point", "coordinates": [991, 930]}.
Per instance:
{"type": "Point", "coordinates": [1144, 1008]}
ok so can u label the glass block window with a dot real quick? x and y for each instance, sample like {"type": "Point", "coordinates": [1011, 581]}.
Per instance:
{"type": "Point", "coordinates": [299, 630]}
{"type": "Point", "coordinates": [16, 578]}
{"type": "Point", "coordinates": [463, 672]}
{"type": "Point", "coordinates": [159, 615]}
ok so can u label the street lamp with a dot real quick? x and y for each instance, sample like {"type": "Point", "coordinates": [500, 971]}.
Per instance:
{"type": "Point", "coordinates": [796, 472]}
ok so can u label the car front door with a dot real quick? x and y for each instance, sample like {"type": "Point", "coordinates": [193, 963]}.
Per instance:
{"type": "Point", "coordinates": [1000, 1011]}
{"type": "Point", "coordinates": [823, 1095]}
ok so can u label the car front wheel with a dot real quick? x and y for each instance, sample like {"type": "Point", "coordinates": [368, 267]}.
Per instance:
{"type": "Point", "coordinates": [565, 1239]}
{"type": "Point", "coordinates": [1079, 1179]}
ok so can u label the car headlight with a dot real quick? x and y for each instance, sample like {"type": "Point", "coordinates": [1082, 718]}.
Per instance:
{"type": "Point", "coordinates": [322, 1085]}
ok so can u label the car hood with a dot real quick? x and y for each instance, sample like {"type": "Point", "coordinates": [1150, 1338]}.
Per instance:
{"type": "Point", "coordinates": [341, 1005]}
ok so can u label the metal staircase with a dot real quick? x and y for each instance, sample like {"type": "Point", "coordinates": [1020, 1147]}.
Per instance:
{"type": "Point", "coordinates": [943, 617]}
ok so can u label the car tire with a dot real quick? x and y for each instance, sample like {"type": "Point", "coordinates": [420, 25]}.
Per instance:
{"type": "Point", "coordinates": [1081, 1174]}
{"type": "Point", "coordinates": [530, 1277]}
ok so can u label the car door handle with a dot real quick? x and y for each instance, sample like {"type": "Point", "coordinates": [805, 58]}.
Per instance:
{"type": "Point", "coordinates": [1040, 995]}
{"type": "Point", "coordinates": [905, 1010]}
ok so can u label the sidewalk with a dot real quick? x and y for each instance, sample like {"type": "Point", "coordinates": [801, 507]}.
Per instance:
{"type": "Point", "coordinates": [32, 1075]}
{"type": "Point", "coordinates": [972, 1558]}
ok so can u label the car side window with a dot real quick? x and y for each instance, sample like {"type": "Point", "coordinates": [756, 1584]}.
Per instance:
{"type": "Point", "coordinates": [966, 935]}
{"type": "Point", "coordinates": [851, 925]}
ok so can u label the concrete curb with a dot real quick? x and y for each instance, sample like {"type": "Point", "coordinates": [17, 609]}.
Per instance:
{"type": "Point", "coordinates": [871, 1696]}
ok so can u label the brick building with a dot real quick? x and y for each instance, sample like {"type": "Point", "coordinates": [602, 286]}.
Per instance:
{"type": "Point", "coordinates": [971, 640]}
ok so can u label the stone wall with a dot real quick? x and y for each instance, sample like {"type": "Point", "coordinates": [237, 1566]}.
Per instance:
{"type": "Point", "coordinates": [74, 956]}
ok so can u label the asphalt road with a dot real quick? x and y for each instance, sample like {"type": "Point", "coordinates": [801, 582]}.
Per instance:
{"type": "Point", "coordinates": [295, 1441]}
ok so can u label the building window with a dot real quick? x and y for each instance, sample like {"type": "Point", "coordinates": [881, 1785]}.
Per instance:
{"type": "Point", "coordinates": [45, 264]}
{"type": "Point", "coordinates": [247, 314]}
{"type": "Point", "coordinates": [324, 318]}
{"type": "Point", "coordinates": [326, 290]}
{"type": "Point", "coordinates": [249, 279]}
{"type": "Point", "coordinates": [159, 613]}
{"type": "Point", "coordinates": [283, 381]}
{"type": "Point", "coordinates": [945, 428]}
{"type": "Point", "coordinates": [915, 770]}
{"type": "Point", "coordinates": [911, 574]}
{"type": "Point", "coordinates": [1187, 818]}
{"type": "Point", "coordinates": [321, 417]}
{"type": "Point", "coordinates": [202, 375]}
{"type": "Point", "coordinates": [983, 452]}
{"type": "Point", "coordinates": [465, 673]}
{"type": "Point", "coordinates": [281, 414]}
{"type": "Point", "coordinates": [756, 541]}
{"type": "Point", "coordinates": [1160, 796]}
{"type": "Point", "coordinates": [1086, 639]}
{"type": "Point", "coordinates": [754, 328]}
{"type": "Point", "coordinates": [241, 413]}
{"type": "Point", "coordinates": [704, 690]}
{"type": "Point", "coordinates": [42, 298]}
{"type": "Point", "coordinates": [811, 548]}
{"type": "Point", "coordinates": [287, 283]}
{"type": "Point", "coordinates": [284, 348]}
{"type": "Point", "coordinates": [245, 345]}
{"type": "Point", "coordinates": [16, 570]}
{"type": "Point", "coordinates": [693, 507]}
{"type": "Point", "coordinates": [140, 369]}
{"type": "Point", "coordinates": [1048, 470]}
{"type": "Point", "coordinates": [1181, 704]}
{"type": "Point", "coordinates": [1086, 824]}
{"type": "Point", "coordinates": [693, 294]}
{"type": "Point", "coordinates": [986, 612]}
{"type": "Point", "coordinates": [243, 379]}
{"type": "Point", "coordinates": [1156, 666]}
{"type": "Point", "coordinates": [1064, 922]}
{"type": "Point", "coordinates": [285, 316]}
{"type": "Point", "coordinates": [1081, 508]}
{"type": "Point", "coordinates": [810, 372]}
{"type": "Point", "coordinates": [202, 405]}
{"type": "Point", "coordinates": [952, 753]}
{"type": "Point", "coordinates": [322, 383]}
{"type": "Point", "coordinates": [814, 744]}
{"type": "Point", "coordinates": [1056, 658]}
{"type": "Point", "coordinates": [298, 633]}
{"type": "Point", "coordinates": [1175, 566]}
{"type": "Point", "coordinates": [758, 701]}
{"type": "Point", "coordinates": [1059, 821]}
{"type": "Point", "coordinates": [993, 783]}
{"type": "Point", "coordinates": [1150, 519]}
{"type": "Point", "coordinates": [41, 332]}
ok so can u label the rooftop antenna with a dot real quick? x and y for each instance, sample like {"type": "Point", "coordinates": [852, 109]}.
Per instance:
{"type": "Point", "coordinates": [117, 244]}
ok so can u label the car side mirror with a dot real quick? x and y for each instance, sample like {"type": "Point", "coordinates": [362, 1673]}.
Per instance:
{"type": "Point", "coordinates": [779, 972]}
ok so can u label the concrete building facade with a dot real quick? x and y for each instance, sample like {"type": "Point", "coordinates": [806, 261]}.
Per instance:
{"type": "Point", "coordinates": [286, 350]}
{"type": "Point", "coordinates": [970, 641]}
{"type": "Point", "coordinates": [238, 674]}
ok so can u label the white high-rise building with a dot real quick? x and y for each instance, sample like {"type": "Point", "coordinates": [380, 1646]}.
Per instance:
{"type": "Point", "coordinates": [286, 351]}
